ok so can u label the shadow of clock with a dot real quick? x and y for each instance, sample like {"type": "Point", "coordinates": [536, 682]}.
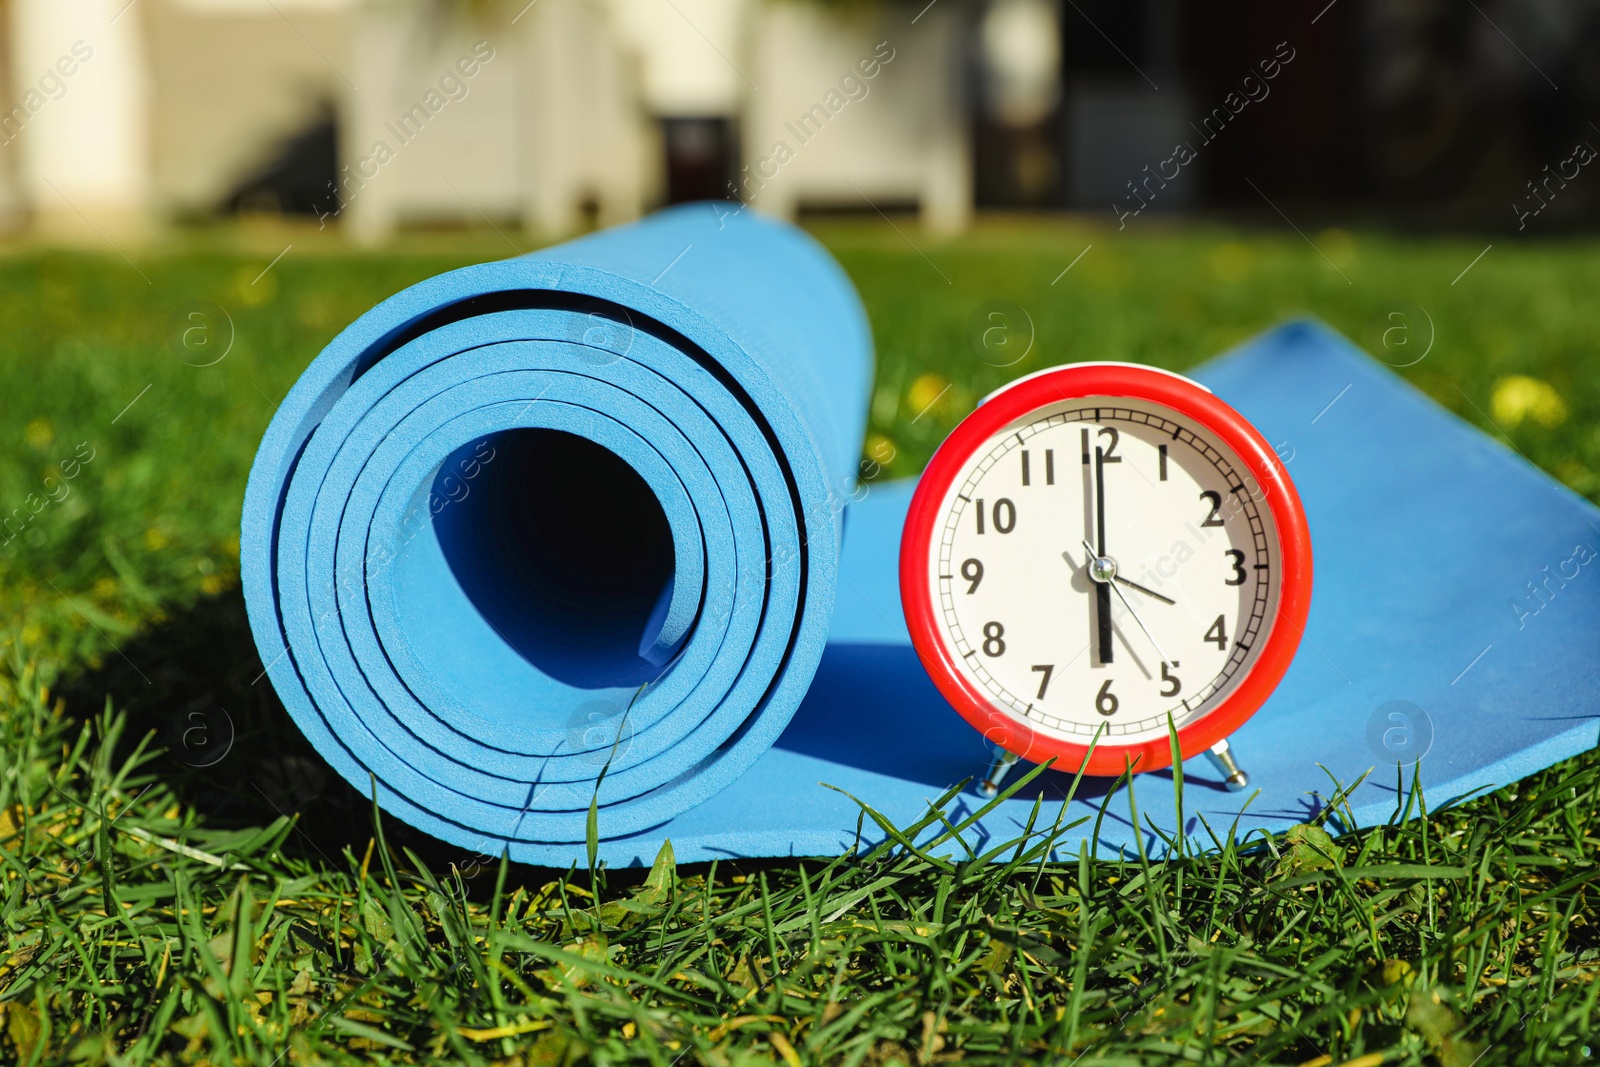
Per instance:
{"type": "Point", "coordinates": [873, 707]}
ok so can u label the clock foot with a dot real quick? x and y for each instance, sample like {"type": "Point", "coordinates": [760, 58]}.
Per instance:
{"type": "Point", "coordinates": [1221, 757]}
{"type": "Point", "coordinates": [998, 768]}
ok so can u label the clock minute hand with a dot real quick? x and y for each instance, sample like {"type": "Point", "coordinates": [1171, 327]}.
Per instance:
{"type": "Point", "coordinates": [1104, 581]}
{"type": "Point", "coordinates": [1099, 499]}
{"type": "Point", "coordinates": [1102, 594]}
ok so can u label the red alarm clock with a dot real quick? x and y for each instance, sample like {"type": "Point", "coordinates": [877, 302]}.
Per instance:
{"type": "Point", "coordinates": [1098, 551]}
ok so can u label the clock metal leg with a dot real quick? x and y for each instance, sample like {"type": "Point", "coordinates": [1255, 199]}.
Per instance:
{"type": "Point", "coordinates": [998, 768]}
{"type": "Point", "coordinates": [1221, 757]}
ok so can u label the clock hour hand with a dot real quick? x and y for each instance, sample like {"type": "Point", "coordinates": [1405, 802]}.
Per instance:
{"type": "Point", "coordinates": [1147, 592]}
{"type": "Point", "coordinates": [1102, 570]}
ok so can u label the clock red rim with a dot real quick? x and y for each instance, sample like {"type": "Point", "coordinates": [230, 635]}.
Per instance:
{"type": "Point", "coordinates": [1186, 398]}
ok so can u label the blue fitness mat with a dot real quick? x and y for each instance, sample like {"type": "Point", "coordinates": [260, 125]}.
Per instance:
{"type": "Point", "coordinates": [505, 499]}
{"type": "Point", "coordinates": [1427, 534]}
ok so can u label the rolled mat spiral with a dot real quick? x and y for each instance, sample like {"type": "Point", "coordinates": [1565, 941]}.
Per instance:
{"type": "Point", "coordinates": [564, 530]}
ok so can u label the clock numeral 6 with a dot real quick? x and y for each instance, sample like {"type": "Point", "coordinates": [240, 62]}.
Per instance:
{"type": "Point", "coordinates": [993, 639]}
{"type": "Point", "coordinates": [1237, 559]}
{"type": "Point", "coordinates": [1105, 701]}
{"type": "Point", "coordinates": [1004, 515]}
{"type": "Point", "coordinates": [972, 571]}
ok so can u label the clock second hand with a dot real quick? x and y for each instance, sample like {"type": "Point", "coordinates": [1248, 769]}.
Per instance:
{"type": "Point", "coordinates": [1107, 583]}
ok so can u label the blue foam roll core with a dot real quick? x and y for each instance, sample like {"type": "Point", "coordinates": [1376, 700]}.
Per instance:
{"type": "Point", "coordinates": [572, 512]}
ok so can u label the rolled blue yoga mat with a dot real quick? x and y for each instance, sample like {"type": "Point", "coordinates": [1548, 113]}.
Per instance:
{"type": "Point", "coordinates": [571, 513]}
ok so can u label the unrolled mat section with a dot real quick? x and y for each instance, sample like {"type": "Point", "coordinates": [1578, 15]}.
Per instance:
{"type": "Point", "coordinates": [564, 530]}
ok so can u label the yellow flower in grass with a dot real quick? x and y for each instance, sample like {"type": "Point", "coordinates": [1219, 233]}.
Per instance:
{"type": "Point", "coordinates": [925, 392]}
{"type": "Point", "coordinates": [1520, 397]}
{"type": "Point", "coordinates": [880, 449]}
{"type": "Point", "coordinates": [39, 433]}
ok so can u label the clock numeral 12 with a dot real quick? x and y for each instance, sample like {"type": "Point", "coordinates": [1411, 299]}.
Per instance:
{"type": "Point", "coordinates": [1110, 453]}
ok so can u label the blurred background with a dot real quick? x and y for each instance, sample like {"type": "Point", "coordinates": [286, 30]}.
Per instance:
{"type": "Point", "coordinates": [378, 116]}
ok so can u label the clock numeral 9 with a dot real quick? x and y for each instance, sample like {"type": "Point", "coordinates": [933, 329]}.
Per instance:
{"type": "Point", "coordinates": [972, 571]}
{"type": "Point", "coordinates": [1237, 559]}
{"type": "Point", "coordinates": [1105, 701]}
{"type": "Point", "coordinates": [1005, 515]}
{"type": "Point", "coordinates": [993, 639]}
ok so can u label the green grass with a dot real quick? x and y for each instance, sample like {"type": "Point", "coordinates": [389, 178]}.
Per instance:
{"type": "Point", "coordinates": [257, 911]}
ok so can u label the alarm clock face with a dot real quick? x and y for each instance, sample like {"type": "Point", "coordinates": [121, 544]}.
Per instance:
{"type": "Point", "coordinates": [1102, 552]}
{"type": "Point", "coordinates": [1104, 564]}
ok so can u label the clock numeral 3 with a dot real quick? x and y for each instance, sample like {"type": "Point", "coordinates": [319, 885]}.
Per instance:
{"type": "Point", "coordinates": [1237, 558]}
{"type": "Point", "coordinates": [994, 639]}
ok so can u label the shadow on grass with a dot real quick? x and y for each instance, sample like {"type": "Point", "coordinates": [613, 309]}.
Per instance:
{"type": "Point", "coordinates": [195, 685]}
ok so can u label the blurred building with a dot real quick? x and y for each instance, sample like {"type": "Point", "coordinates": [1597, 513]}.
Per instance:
{"type": "Point", "coordinates": [553, 113]}
{"type": "Point", "coordinates": [376, 115]}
